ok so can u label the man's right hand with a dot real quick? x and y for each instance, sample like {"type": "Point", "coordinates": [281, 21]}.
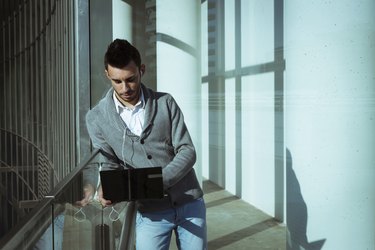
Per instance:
{"type": "Point", "coordinates": [88, 195]}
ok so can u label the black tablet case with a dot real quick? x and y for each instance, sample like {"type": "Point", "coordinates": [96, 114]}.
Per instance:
{"type": "Point", "coordinates": [132, 184]}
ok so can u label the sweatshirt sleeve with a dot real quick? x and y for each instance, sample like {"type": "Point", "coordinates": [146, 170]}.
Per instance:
{"type": "Point", "coordinates": [185, 155]}
{"type": "Point", "coordinates": [106, 158]}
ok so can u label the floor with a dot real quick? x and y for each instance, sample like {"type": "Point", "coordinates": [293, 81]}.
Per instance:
{"type": "Point", "coordinates": [235, 224]}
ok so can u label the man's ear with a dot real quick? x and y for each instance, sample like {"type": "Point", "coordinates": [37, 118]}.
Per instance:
{"type": "Point", "coordinates": [106, 73]}
{"type": "Point", "coordinates": [142, 69]}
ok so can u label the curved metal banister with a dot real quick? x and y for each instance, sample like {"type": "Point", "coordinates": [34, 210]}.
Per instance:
{"type": "Point", "coordinates": [17, 188]}
{"type": "Point", "coordinates": [39, 151]}
{"type": "Point", "coordinates": [28, 141]}
{"type": "Point", "coordinates": [34, 146]}
{"type": "Point", "coordinates": [21, 178]}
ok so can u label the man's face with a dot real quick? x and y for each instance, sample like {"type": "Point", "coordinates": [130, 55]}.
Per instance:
{"type": "Point", "coordinates": [126, 82]}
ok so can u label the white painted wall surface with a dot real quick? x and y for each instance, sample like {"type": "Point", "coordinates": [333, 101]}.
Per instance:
{"type": "Point", "coordinates": [330, 121]}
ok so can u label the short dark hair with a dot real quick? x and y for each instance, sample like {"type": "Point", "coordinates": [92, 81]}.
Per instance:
{"type": "Point", "coordinates": [119, 54]}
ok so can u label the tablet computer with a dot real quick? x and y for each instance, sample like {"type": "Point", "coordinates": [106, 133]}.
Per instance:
{"type": "Point", "coordinates": [132, 184]}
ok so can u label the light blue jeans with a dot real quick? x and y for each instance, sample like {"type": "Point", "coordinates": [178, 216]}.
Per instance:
{"type": "Point", "coordinates": [154, 230]}
{"type": "Point", "coordinates": [46, 241]}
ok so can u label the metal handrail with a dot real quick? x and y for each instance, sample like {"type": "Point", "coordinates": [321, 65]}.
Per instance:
{"type": "Point", "coordinates": [11, 239]}
{"type": "Point", "coordinates": [14, 237]}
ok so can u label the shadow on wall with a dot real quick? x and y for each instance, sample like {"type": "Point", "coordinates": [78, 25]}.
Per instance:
{"type": "Point", "coordinates": [296, 212]}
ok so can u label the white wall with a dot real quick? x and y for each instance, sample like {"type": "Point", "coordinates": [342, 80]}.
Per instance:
{"type": "Point", "coordinates": [204, 92]}
{"type": "Point", "coordinates": [230, 136]}
{"type": "Point", "coordinates": [258, 160]}
{"type": "Point", "coordinates": [257, 97]}
{"type": "Point", "coordinates": [330, 122]}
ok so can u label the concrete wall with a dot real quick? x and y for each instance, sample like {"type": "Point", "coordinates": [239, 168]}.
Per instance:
{"type": "Point", "coordinates": [330, 136]}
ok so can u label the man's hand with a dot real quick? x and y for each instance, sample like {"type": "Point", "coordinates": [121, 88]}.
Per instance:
{"type": "Point", "coordinates": [103, 201]}
{"type": "Point", "coordinates": [88, 195]}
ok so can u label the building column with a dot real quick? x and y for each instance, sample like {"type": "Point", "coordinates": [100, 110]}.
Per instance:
{"type": "Point", "coordinates": [178, 61]}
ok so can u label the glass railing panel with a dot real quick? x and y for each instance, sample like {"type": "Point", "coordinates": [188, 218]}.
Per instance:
{"type": "Point", "coordinates": [93, 227]}
{"type": "Point", "coordinates": [29, 230]}
{"type": "Point", "coordinates": [65, 220]}
{"type": "Point", "coordinates": [49, 235]}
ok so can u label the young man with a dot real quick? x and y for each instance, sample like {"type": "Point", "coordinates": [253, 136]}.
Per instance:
{"type": "Point", "coordinates": [135, 125]}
